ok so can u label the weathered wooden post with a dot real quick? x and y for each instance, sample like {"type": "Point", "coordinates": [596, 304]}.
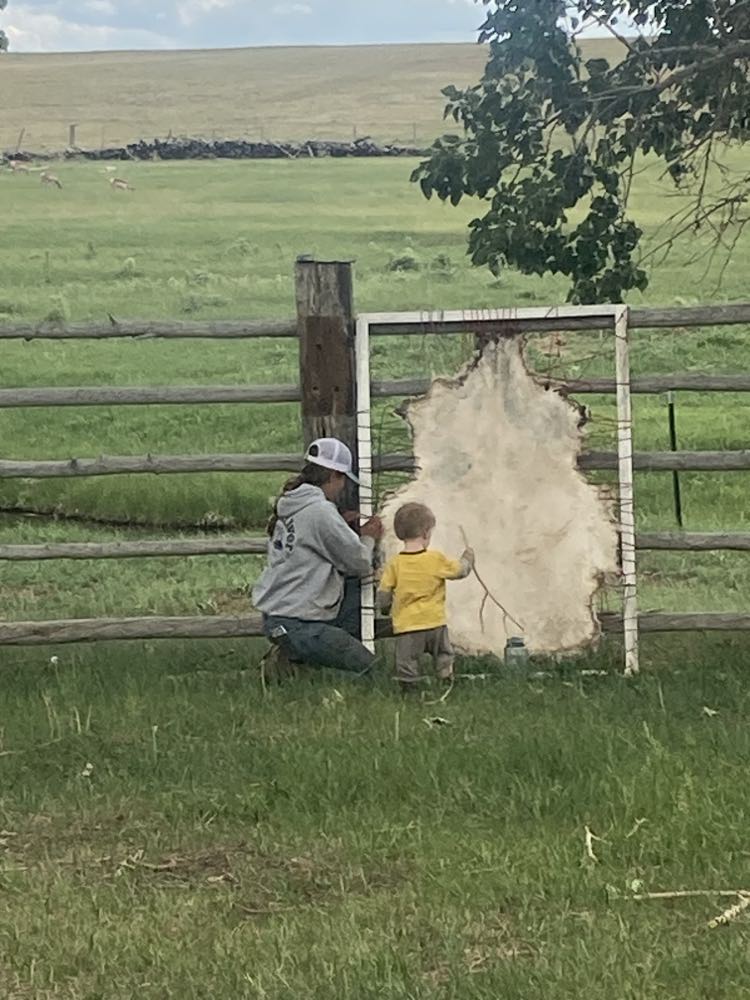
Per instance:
{"type": "Point", "coordinates": [325, 323]}
{"type": "Point", "coordinates": [72, 135]}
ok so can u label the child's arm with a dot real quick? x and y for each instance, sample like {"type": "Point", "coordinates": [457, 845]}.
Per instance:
{"type": "Point", "coordinates": [386, 587]}
{"type": "Point", "coordinates": [456, 569]}
{"type": "Point", "coordinates": [467, 561]}
{"type": "Point", "coordinates": [385, 601]}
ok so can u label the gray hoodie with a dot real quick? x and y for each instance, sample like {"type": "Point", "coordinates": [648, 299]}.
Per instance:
{"type": "Point", "coordinates": [310, 553]}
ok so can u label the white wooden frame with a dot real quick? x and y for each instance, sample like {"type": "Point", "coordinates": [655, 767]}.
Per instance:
{"type": "Point", "coordinates": [364, 451]}
{"type": "Point", "coordinates": [617, 315]}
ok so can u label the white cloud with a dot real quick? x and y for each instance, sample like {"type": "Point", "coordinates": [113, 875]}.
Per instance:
{"type": "Point", "coordinates": [34, 31]}
{"type": "Point", "coordinates": [190, 11]}
{"type": "Point", "coordinates": [105, 7]}
{"type": "Point", "coordinates": [292, 8]}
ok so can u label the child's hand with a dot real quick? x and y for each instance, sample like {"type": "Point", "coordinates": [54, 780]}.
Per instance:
{"type": "Point", "coordinates": [469, 557]}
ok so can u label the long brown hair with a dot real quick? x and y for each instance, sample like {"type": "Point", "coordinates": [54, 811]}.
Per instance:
{"type": "Point", "coordinates": [311, 475]}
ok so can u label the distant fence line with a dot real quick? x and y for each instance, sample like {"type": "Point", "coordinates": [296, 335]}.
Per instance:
{"type": "Point", "coordinates": [323, 329]}
{"type": "Point", "coordinates": [98, 135]}
{"type": "Point", "coordinates": [222, 149]}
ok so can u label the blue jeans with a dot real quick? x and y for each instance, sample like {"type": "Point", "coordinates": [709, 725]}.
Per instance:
{"type": "Point", "coordinates": [334, 643]}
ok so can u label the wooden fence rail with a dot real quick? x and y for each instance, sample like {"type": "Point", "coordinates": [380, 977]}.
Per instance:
{"type": "Point", "coordinates": [664, 621]}
{"type": "Point", "coordinates": [75, 630]}
{"type": "Point", "coordinates": [656, 384]}
{"type": "Point", "coordinates": [488, 322]}
{"type": "Point", "coordinates": [142, 549]}
{"type": "Point", "coordinates": [323, 330]}
{"type": "Point", "coordinates": [668, 461]}
{"type": "Point", "coordinates": [114, 465]}
{"type": "Point", "coordinates": [140, 395]}
{"type": "Point", "coordinates": [113, 329]}
{"type": "Point", "coordinates": [643, 385]}
{"type": "Point", "coordinates": [256, 545]}
{"type": "Point", "coordinates": [150, 627]}
{"type": "Point", "coordinates": [506, 321]}
{"type": "Point", "coordinates": [669, 541]}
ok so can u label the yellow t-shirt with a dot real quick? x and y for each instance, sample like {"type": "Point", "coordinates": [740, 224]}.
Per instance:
{"type": "Point", "coordinates": [417, 580]}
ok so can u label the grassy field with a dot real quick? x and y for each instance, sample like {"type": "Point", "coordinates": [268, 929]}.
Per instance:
{"type": "Point", "coordinates": [389, 92]}
{"type": "Point", "coordinates": [219, 240]}
{"type": "Point", "coordinates": [168, 833]}
{"type": "Point", "coordinates": [169, 830]}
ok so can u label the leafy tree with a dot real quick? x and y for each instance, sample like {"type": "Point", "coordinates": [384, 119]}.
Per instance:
{"type": "Point", "coordinates": [551, 140]}
{"type": "Point", "coordinates": [3, 36]}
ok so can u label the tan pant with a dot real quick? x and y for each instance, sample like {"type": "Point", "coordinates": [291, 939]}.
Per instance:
{"type": "Point", "coordinates": [410, 646]}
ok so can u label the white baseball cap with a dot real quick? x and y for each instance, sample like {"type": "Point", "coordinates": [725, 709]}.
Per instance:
{"type": "Point", "coordinates": [330, 453]}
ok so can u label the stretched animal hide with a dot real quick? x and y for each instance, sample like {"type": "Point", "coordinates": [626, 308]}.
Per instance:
{"type": "Point", "coordinates": [496, 455]}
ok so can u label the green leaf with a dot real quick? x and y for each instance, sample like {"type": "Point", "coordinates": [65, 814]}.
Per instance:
{"type": "Point", "coordinates": [597, 67]}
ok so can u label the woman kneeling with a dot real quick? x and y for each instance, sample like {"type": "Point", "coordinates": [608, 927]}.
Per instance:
{"type": "Point", "coordinates": [309, 593]}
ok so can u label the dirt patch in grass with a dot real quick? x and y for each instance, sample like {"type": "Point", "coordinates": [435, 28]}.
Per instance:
{"type": "Point", "coordinates": [486, 945]}
{"type": "Point", "coordinates": [262, 882]}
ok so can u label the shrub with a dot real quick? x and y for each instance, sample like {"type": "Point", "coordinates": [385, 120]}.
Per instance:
{"type": "Point", "coordinates": [407, 261]}
{"type": "Point", "coordinates": [59, 311]}
{"type": "Point", "coordinates": [128, 269]}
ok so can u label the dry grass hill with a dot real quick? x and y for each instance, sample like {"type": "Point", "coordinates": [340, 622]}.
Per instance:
{"type": "Point", "coordinates": [389, 92]}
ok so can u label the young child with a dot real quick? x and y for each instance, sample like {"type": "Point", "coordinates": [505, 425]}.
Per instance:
{"type": "Point", "coordinates": [413, 585]}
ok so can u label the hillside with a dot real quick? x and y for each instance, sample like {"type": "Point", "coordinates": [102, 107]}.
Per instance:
{"type": "Point", "coordinates": [389, 92]}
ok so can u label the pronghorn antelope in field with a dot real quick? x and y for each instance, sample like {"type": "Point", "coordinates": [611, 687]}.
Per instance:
{"type": "Point", "coordinates": [19, 167]}
{"type": "Point", "coordinates": [118, 184]}
{"type": "Point", "coordinates": [47, 178]}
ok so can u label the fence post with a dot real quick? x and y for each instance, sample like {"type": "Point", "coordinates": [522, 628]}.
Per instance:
{"type": "Point", "coordinates": [325, 325]}
{"type": "Point", "coordinates": [72, 135]}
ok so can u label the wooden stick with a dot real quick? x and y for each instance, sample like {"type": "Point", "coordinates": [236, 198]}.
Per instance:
{"type": "Point", "coordinates": [589, 839]}
{"type": "Point", "coordinates": [487, 595]}
{"type": "Point", "coordinates": [690, 894]}
{"type": "Point", "coordinates": [730, 914]}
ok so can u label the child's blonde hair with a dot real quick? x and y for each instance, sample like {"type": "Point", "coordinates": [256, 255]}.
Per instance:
{"type": "Point", "coordinates": [413, 520]}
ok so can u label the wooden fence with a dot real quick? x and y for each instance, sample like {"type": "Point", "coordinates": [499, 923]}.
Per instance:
{"type": "Point", "coordinates": [324, 330]}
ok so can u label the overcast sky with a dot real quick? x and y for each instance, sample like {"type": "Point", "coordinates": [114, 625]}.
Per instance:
{"type": "Point", "coordinates": [74, 25]}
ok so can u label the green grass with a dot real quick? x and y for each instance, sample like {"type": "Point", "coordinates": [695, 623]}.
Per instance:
{"type": "Point", "coordinates": [168, 832]}
{"type": "Point", "coordinates": [219, 240]}
{"type": "Point", "coordinates": [166, 829]}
